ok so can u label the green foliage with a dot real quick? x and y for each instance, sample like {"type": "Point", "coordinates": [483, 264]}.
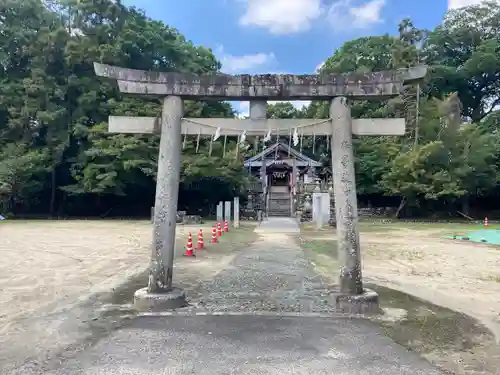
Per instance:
{"type": "Point", "coordinates": [54, 110]}
{"type": "Point", "coordinates": [22, 174]}
{"type": "Point", "coordinates": [464, 51]}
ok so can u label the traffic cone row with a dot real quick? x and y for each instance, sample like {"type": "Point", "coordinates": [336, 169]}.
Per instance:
{"type": "Point", "coordinates": [189, 247]}
{"type": "Point", "coordinates": [200, 245]}
{"type": "Point", "coordinates": [214, 235]}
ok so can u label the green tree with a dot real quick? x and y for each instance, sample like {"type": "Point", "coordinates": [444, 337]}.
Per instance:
{"type": "Point", "coordinates": [465, 54]}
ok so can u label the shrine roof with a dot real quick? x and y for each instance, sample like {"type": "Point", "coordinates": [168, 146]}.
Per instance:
{"type": "Point", "coordinates": [301, 159]}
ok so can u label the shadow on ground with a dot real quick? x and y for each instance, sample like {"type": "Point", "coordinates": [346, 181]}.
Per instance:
{"type": "Point", "coordinates": [98, 316]}
{"type": "Point", "coordinates": [453, 341]}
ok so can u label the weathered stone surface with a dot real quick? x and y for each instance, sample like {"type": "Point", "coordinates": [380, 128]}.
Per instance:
{"type": "Point", "coordinates": [304, 207]}
{"type": "Point", "coordinates": [167, 192]}
{"type": "Point", "coordinates": [346, 205]}
{"type": "Point", "coordinates": [192, 219]}
{"type": "Point", "coordinates": [321, 208]}
{"type": "Point", "coordinates": [156, 302]}
{"type": "Point", "coordinates": [376, 85]}
{"type": "Point", "coordinates": [227, 211]}
{"type": "Point", "coordinates": [236, 212]}
{"type": "Point", "coordinates": [333, 220]}
{"type": "Point", "coordinates": [179, 218]}
{"type": "Point", "coordinates": [364, 303]}
{"type": "Point", "coordinates": [207, 126]}
{"type": "Point", "coordinates": [220, 211]}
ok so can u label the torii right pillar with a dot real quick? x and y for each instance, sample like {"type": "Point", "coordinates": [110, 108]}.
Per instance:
{"type": "Point", "coordinates": [353, 297]}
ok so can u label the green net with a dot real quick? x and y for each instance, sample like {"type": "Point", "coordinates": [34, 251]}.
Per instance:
{"type": "Point", "coordinates": [489, 236]}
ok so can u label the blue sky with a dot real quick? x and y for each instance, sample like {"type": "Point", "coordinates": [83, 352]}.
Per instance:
{"type": "Point", "coordinates": [287, 36]}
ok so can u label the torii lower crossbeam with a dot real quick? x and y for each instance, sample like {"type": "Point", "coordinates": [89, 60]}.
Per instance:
{"type": "Point", "coordinates": [235, 127]}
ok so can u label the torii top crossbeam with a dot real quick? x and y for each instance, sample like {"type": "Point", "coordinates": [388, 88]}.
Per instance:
{"type": "Point", "coordinates": [373, 85]}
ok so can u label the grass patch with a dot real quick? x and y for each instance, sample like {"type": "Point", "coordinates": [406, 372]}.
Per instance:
{"type": "Point", "coordinates": [459, 228]}
{"type": "Point", "coordinates": [234, 240]}
{"type": "Point", "coordinates": [378, 227]}
{"type": "Point", "coordinates": [311, 228]}
{"type": "Point", "coordinates": [325, 247]}
{"type": "Point", "coordinates": [495, 278]}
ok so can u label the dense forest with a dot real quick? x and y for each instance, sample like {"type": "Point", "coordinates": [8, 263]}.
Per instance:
{"type": "Point", "coordinates": [56, 158]}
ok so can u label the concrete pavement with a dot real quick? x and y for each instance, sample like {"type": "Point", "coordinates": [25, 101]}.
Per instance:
{"type": "Point", "coordinates": [246, 345]}
{"type": "Point", "coordinates": [267, 313]}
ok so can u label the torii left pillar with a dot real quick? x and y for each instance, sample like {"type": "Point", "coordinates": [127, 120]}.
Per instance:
{"type": "Point", "coordinates": [160, 294]}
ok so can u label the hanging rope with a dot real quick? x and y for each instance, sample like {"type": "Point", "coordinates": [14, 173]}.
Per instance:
{"type": "Point", "coordinates": [185, 137]}
{"type": "Point", "coordinates": [238, 131]}
{"type": "Point", "coordinates": [289, 141]}
{"type": "Point", "coordinates": [277, 141]}
{"type": "Point", "coordinates": [301, 139]}
{"type": "Point", "coordinates": [198, 141]}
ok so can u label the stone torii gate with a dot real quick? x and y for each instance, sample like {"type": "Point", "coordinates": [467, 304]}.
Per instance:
{"type": "Point", "coordinates": [339, 89]}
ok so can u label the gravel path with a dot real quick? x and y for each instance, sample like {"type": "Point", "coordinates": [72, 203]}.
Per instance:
{"type": "Point", "coordinates": [272, 275]}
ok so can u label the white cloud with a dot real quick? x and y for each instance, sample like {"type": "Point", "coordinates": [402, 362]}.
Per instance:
{"type": "Point", "coordinates": [244, 64]}
{"type": "Point", "coordinates": [455, 4]}
{"type": "Point", "coordinates": [294, 16]}
{"type": "Point", "coordinates": [296, 103]}
{"type": "Point", "coordinates": [320, 65]}
{"type": "Point", "coordinates": [281, 16]}
{"type": "Point", "coordinates": [344, 14]}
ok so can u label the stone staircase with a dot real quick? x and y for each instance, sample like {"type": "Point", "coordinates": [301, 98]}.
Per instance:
{"type": "Point", "coordinates": [279, 201]}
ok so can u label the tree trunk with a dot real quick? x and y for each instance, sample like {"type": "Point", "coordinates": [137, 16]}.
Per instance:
{"type": "Point", "coordinates": [62, 204]}
{"type": "Point", "coordinates": [53, 192]}
{"type": "Point", "coordinates": [402, 204]}
{"type": "Point", "coordinates": [465, 204]}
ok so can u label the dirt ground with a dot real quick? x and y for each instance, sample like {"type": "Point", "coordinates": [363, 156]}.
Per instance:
{"type": "Point", "coordinates": [50, 270]}
{"type": "Point", "coordinates": [458, 275]}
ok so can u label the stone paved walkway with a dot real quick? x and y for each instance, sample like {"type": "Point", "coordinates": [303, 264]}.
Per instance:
{"type": "Point", "coordinates": [272, 275]}
{"type": "Point", "coordinates": [279, 225]}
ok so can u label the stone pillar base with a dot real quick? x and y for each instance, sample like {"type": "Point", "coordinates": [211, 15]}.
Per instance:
{"type": "Point", "coordinates": [157, 302]}
{"type": "Point", "coordinates": [365, 303]}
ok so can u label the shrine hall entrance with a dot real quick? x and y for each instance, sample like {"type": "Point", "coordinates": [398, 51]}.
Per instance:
{"type": "Point", "coordinates": [280, 167]}
{"type": "Point", "coordinates": [279, 192]}
{"type": "Point", "coordinates": [279, 174]}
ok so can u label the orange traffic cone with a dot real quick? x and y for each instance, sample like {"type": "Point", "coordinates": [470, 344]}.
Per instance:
{"type": "Point", "coordinates": [226, 226]}
{"type": "Point", "coordinates": [485, 221]}
{"type": "Point", "coordinates": [214, 235]}
{"type": "Point", "coordinates": [200, 245]}
{"type": "Point", "coordinates": [189, 247]}
{"type": "Point", "coordinates": [219, 230]}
